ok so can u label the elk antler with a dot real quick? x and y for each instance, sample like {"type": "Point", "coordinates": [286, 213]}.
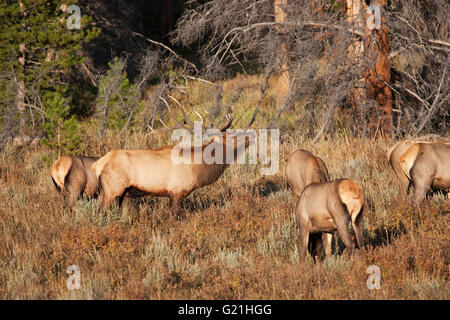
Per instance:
{"type": "Point", "coordinates": [178, 124]}
{"type": "Point", "coordinates": [188, 124]}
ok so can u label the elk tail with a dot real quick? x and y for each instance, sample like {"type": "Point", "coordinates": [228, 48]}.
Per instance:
{"type": "Point", "coordinates": [59, 171]}
{"type": "Point", "coordinates": [388, 154]}
{"type": "Point", "coordinates": [352, 196]}
{"type": "Point", "coordinates": [408, 158]}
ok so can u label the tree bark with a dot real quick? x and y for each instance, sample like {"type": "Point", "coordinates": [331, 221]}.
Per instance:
{"type": "Point", "coordinates": [20, 99]}
{"type": "Point", "coordinates": [374, 84]}
{"type": "Point", "coordinates": [356, 54]}
{"type": "Point", "coordinates": [283, 76]}
{"type": "Point", "coordinates": [378, 78]}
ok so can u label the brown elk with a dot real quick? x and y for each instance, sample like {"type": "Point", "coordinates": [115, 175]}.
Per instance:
{"type": "Point", "coordinates": [72, 176]}
{"type": "Point", "coordinates": [427, 165]}
{"type": "Point", "coordinates": [303, 169]}
{"type": "Point", "coordinates": [330, 206]}
{"type": "Point", "coordinates": [393, 156]}
{"type": "Point", "coordinates": [153, 172]}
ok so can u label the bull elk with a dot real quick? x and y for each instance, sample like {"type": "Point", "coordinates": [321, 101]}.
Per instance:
{"type": "Point", "coordinates": [72, 176]}
{"type": "Point", "coordinates": [393, 156]}
{"type": "Point", "coordinates": [304, 168]}
{"type": "Point", "coordinates": [136, 173]}
{"type": "Point", "coordinates": [426, 165]}
{"type": "Point", "coordinates": [330, 206]}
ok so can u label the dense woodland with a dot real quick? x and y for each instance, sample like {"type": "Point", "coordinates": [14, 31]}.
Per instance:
{"type": "Point", "coordinates": [328, 68]}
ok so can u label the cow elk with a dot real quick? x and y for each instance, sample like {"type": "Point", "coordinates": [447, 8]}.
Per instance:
{"type": "Point", "coordinates": [136, 173]}
{"type": "Point", "coordinates": [72, 176]}
{"type": "Point", "coordinates": [303, 169]}
{"type": "Point", "coordinates": [427, 165]}
{"type": "Point", "coordinates": [330, 206]}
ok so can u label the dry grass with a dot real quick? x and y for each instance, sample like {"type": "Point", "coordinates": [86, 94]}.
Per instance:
{"type": "Point", "coordinates": [235, 239]}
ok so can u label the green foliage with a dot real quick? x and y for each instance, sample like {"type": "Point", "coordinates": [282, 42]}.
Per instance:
{"type": "Point", "coordinates": [37, 47]}
{"type": "Point", "coordinates": [118, 99]}
{"type": "Point", "coordinates": [61, 128]}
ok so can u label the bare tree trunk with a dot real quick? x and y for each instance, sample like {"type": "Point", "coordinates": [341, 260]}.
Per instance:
{"type": "Point", "coordinates": [283, 77]}
{"type": "Point", "coordinates": [376, 79]}
{"type": "Point", "coordinates": [20, 100]}
{"type": "Point", "coordinates": [356, 53]}
{"type": "Point", "coordinates": [20, 103]}
{"type": "Point", "coordinates": [375, 47]}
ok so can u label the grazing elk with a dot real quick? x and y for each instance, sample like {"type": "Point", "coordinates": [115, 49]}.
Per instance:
{"type": "Point", "coordinates": [303, 169]}
{"type": "Point", "coordinates": [427, 165]}
{"type": "Point", "coordinates": [72, 176]}
{"type": "Point", "coordinates": [154, 172]}
{"type": "Point", "coordinates": [393, 156]}
{"type": "Point", "coordinates": [330, 206]}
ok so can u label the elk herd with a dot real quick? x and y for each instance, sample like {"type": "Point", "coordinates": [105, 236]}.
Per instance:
{"type": "Point", "coordinates": [321, 206]}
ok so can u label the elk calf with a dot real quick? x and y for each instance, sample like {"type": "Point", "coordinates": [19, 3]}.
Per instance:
{"type": "Point", "coordinates": [72, 176]}
{"type": "Point", "coordinates": [427, 165]}
{"type": "Point", "coordinates": [330, 206]}
{"type": "Point", "coordinates": [303, 169]}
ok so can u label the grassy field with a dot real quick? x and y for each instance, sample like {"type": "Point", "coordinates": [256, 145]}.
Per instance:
{"type": "Point", "coordinates": [235, 239]}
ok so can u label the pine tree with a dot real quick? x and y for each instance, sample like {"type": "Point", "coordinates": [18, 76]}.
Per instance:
{"type": "Point", "coordinates": [61, 128]}
{"type": "Point", "coordinates": [118, 99]}
{"type": "Point", "coordinates": [39, 55]}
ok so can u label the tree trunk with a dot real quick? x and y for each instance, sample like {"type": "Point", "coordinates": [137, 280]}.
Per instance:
{"type": "Point", "coordinates": [356, 54]}
{"type": "Point", "coordinates": [283, 77]}
{"type": "Point", "coordinates": [375, 48]}
{"type": "Point", "coordinates": [378, 78]}
{"type": "Point", "coordinates": [20, 100]}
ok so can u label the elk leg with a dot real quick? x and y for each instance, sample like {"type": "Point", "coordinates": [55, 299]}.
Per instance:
{"type": "Point", "coordinates": [315, 246]}
{"type": "Point", "coordinates": [296, 197]}
{"type": "Point", "coordinates": [358, 226]}
{"type": "Point", "coordinates": [71, 199]}
{"type": "Point", "coordinates": [111, 190]}
{"type": "Point", "coordinates": [303, 238]}
{"type": "Point", "coordinates": [74, 191]}
{"type": "Point", "coordinates": [175, 199]}
{"type": "Point", "coordinates": [342, 219]}
{"type": "Point", "coordinates": [90, 190]}
{"type": "Point", "coordinates": [408, 188]}
{"type": "Point", "coordinates": [405, 183]}
{"type": "Point", "coordinates": [327, 239]}
{"type": "Point", "coordinates": [421, 185]}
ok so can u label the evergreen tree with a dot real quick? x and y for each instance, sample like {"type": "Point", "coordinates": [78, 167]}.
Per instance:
{"type": "Point", "coordinates": [39, 54]}
{"type": "Point", "coordinates": [61, 128]}
{"type": "Point", "coordinates": [118, 99]}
